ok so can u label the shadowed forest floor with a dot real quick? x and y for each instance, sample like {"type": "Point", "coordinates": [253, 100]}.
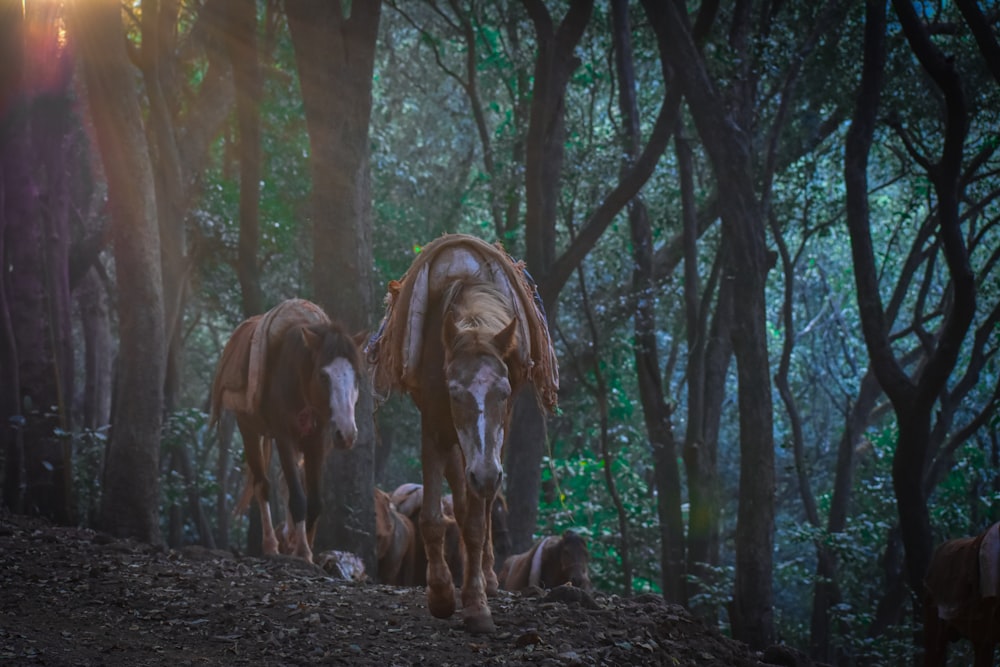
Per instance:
{"type": "Point", "coordinates": [78, 597]}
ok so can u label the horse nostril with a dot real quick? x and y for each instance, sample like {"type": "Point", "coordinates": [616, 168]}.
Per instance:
{"type": "Point", "coordinates": [500, 480]}
{"type": "Point", "coordinates": [473, 482]}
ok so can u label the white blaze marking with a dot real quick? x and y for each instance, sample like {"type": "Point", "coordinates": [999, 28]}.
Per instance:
{"type": "Point", "coordinates": [479, 388]}
{"type": "Point", "coordinates": [343, 391]}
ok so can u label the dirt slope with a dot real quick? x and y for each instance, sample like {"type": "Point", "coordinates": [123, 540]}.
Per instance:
{"type": "Point", "coordinates": [75, 597]}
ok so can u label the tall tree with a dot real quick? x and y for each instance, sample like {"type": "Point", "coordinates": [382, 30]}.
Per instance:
{"type": "Point", "coordinates": [183, 117]}
{"type": "Point", "coordinates": [13, 150]}
{"type": "Point", "coordinates": [335, 56]}
{"type": "Point", "coordinates": [656, 410]}
{"type": "Point", "coordinates": [912, 397]}
{"type": "Point", "coordinates": [241, 45]}
{"type": "Point", "coordinates": [130, 501]}
{"type": "Point", "coordinates": [38, 203]}
{"type": "Point", "coordinates": [723, 128]}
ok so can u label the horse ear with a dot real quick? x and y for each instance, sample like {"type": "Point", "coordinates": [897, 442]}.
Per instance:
{"type": "Point", "coordinates": [310, 338]}
{"type": "Point", "coordinates": [360, 338]}
{"type": "Point", "coordinates": [504, 341]}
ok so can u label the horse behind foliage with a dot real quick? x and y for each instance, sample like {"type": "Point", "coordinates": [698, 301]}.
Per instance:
{"type": "Point", "coordinates": [290, 375]}
{"type": "Point", "coordinates": [552, 561]}
{"type": "Point", "coordinates": [395, 543]}
{"type": "Point", "coordinates": [463, 331]}
{"type": "Point", "coordinates": [962, 597]}
{"type": "Point", "coordinates": [408, 499]}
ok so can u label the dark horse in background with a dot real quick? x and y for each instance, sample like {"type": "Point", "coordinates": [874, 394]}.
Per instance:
{"type": "Point", "coordinates": [962, 597]}
{"type": "Point", "coordinates": [290, 375]}
{"type": "Point", "coordinates": [552, 561]}
{"type": "Point", "coordinates": [463, 332]}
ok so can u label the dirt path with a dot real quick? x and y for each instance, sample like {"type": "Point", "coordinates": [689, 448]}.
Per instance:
{"type": "Point", "coordinates": [75, 597]}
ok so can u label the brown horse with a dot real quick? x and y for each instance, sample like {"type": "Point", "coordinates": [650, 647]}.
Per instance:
{"type": "Point", "coordinates": [962, 597]}
{"type": "Point", "coordinates": [463, 332]}
{"type": "Point", "coordinates": [552, 561]}
{"type": "Point", "coordinates": [290, 375]}
{"type": "Point", "coordinates": [395, 543]}
{"type": "Point", "coordinates": [408, 498]}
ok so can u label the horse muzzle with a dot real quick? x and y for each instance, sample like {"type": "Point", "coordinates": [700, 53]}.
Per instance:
{"type": "Point", "coordinates": [484, 480]}
{"type": "Point", "coordinates": [344, 438]}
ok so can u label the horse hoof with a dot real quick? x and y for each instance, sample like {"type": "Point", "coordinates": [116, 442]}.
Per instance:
{"type": "Point", "coordinates": [480, 624]}
{"type": "Point", "coordinates": [441, 606]}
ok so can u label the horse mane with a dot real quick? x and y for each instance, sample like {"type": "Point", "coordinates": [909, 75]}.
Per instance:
{"type": "Point", "coordinates": [479, 310]}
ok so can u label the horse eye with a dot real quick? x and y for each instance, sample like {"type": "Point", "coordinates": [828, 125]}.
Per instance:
{"type": "Point", "coordinates": [503, 388]}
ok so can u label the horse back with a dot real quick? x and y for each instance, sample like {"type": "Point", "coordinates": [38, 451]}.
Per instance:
{"type": "Point", "coordinates": [964, 573]}
{"type": "Point", "coordinates": [267, 340]}
{"type": "Point", "coordinates": [229, 384]}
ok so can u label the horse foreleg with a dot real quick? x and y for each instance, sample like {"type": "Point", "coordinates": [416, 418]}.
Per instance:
{"type": "Point", "coordinates": [475, 610]}
{"type": "Point", "coordinates": [296, 500]}
{"type": "Point", "coordinates": [489, 559]}
{"type": "Point", "coordinates": [253, 447]}
{"type": "Point", "coordinates": [313, 462]}
{"type": "Point", "coordinates": [440, 587]}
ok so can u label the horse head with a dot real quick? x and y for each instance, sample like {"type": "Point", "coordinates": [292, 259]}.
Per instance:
{"type": "Point", "coordinates": [479, 390]}
{"type": "Point", "coordinates": [332, 385]}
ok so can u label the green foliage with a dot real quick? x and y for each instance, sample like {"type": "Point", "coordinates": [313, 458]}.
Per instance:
{"type": "Point", "coordinates": [89, 446]}
{"type": "Point", "coordinates": [186, 433]}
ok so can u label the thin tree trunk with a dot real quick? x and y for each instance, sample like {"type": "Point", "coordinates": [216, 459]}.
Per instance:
{"type": "Point", "coordinates": [129, 505]}
{"type": "Point", "coordinates": [827, 591]}
{"type": "Point", "coordinates": [223, 511]}
{"type": "Point", "coordinates": [13, 198]}
{"type": "Point", "coordinates": [727, 142]}
{"type": "Point", "coordinates": [241, 42]}
{"type": "Point", "coordinates": [555, 61]}
{"type": "Point", "coordinates": [96, 327]}
{"type": "Point", "coordinates": [655, 409]}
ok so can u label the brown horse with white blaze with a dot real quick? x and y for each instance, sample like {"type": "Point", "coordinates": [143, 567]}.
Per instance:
{"type": "Point", "coordinates": [462, 437]}
{"type": "Point", "coordinates": [290, 375]}
{"type": "Point", "coordinates": [463, 332]}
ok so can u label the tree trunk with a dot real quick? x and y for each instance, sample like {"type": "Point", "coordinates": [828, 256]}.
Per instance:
{"type": "Point", "coordinates": [38, 243]}
{"type": "Point", "coordinates": [93, 305]}
{"type": "Point", "coordinates": [827, 592]}
{"type": "Point", "coordinates": [241, 43]}
{"type": "Point", "coordinates": [656, 411]}
{"type": "Point", "coordinates": [912, 400]}
{"type": "Point", "coordinates": [335, 59]}
{"type": "Point", "coordinates": [178, 138]}
{"type": "Point", "coordinates": [555, 62]}
{"type": "Point", "coordinates": [727, 141]}
{"type": "Point", "coordinates": [13, 200]}
{"type": "Point", "coordinates": [129, 505]}
{"type": "Point", "coordinates": [707, 367]}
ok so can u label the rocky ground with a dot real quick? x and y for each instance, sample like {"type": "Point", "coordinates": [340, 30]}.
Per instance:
{"type": "Point", "coordinates": [77, 597]}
